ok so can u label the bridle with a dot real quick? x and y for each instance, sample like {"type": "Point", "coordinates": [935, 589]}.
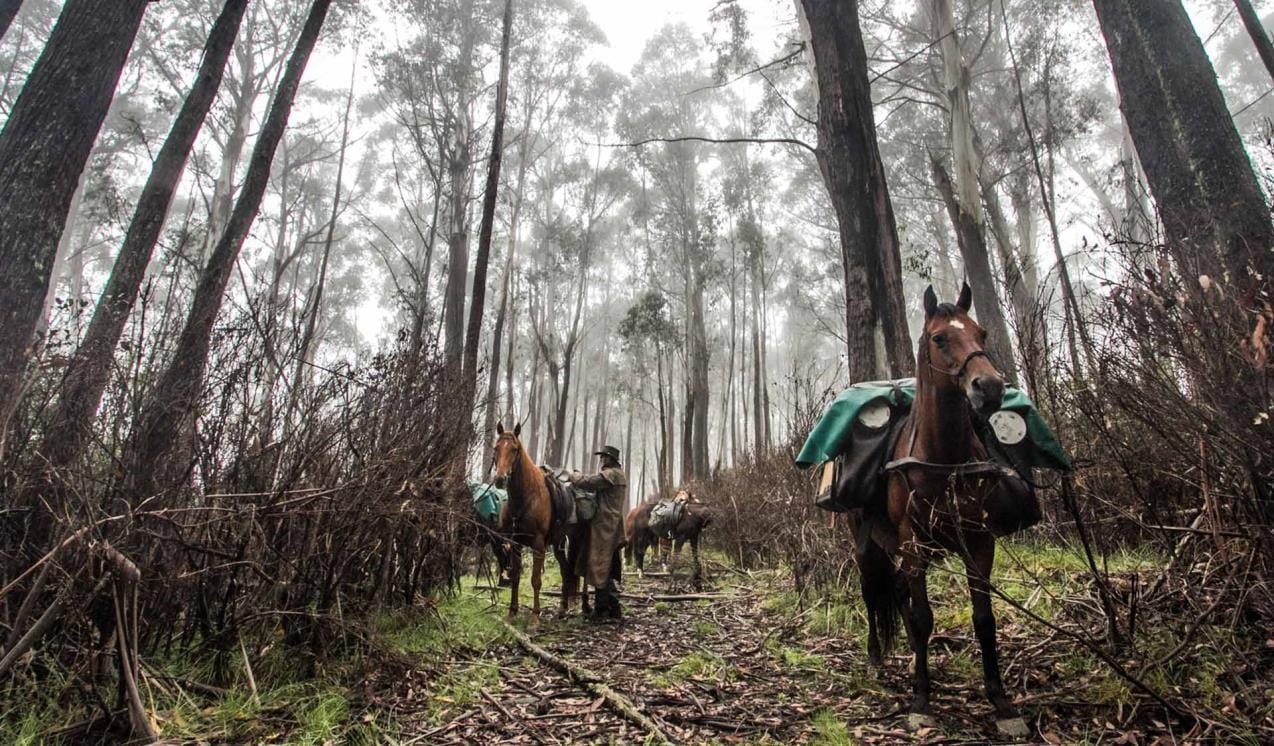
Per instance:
{"type": "Point", "coordinates": [517, 460]}
{"type": "Point", "coordinates": [971, 468]}
{"type": "Point", "coordinates": [958, 373]}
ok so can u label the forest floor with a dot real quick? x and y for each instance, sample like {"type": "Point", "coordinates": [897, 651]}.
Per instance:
{"type": "Point", "coordinates": [752, 662]}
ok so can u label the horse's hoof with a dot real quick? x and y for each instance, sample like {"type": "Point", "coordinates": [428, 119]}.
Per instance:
{"type": "Point", "coordinates": [918, 720]}
{"type": "Point", "coordinates": [1012, 728]}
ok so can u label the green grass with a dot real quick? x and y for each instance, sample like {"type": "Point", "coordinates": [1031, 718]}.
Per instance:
{"type": "Point", "coordinates": [461, 687]}
{"type": "Point", "coordinates": [829, 730]}
{"type": "Point", "coordinates": [703, 628]}
{"type": "Point", "coordinates": [797, 658]}
{"type": "Point", "coordinates": [702, 665]}
{"type": "Point", "coordinates": [29, 710]}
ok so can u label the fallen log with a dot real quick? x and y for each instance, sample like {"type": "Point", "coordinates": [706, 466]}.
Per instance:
{"type": "Point", "coordinates": [592, 682]}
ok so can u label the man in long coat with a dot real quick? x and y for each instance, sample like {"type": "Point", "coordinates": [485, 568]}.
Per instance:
{"type": "Point", "coordinates": [606, 535]}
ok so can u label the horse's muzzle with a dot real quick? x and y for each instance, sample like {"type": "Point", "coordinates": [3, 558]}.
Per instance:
{"type": "Point", "coordinates": [500, 481]}
{"type": "Point", "coordinates": [986, 393]}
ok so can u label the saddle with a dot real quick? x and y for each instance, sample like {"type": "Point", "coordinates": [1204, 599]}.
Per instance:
{"type": "Point", "coordinates": [665, 515]}
{"type": "Point", "coordinates": [570, 504]}
{"type": "Point", "coordinates": [858, 478]}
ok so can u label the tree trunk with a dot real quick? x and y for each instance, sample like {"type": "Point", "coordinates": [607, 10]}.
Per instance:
{"type": "Point", "coordinates": [477, 303]}
{"type": "Point", "coordinates": [44, 146]}
{"type": "Point", "coordinates": [850, 162]}
{"type": "Point", "coordinates": [1213, 211]}
{"type": "Point", "coordinates": [458, 239]}
{"type": "Point", "coordinates": [89, 370]}
{"type": "Point", "coordinates": [963, 198]}
{"type": "Point", "coordinates": [167, 415]}
{"type": "Point", "coordinates": [1252, 22]}
{"type": "Point", "coordinates": [977, 265]}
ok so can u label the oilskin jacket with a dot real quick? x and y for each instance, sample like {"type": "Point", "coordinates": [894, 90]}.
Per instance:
{"type": "Point", "coordinates": [606, 535]}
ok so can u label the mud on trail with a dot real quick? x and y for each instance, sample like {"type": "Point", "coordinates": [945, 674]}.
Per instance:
{"type": "Point", "coordinates": [749, 664]}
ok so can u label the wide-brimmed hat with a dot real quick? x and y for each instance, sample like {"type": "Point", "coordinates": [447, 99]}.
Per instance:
{"type": "Point", "coordinates": [611, 451]}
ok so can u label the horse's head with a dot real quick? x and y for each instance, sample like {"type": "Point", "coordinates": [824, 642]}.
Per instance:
{"type": "Point", "coordinates": [952, 346]}
{"type": "Point", "coordinates": [508, 453]}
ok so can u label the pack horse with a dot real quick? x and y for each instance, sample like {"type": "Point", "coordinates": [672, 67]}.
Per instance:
{"type": "Point", "coordinates": [538, 515]}
{"type": "Point", "coordinates": [925, 484]}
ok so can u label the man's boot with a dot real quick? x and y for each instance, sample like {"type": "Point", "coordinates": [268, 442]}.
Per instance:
{"type": "Point", "coordinates": [612, 610]}
{"type": "Point", "coordinates": [598, 612]}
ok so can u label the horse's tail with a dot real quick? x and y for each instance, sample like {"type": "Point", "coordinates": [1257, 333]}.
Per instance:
{"type": "Point", "coordinates": [880, 593]}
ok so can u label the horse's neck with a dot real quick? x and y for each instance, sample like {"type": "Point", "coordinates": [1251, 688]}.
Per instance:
{"type": "Point", "coordinates": [943, 432]}
{"type": "Point", "coordinates": [522, 485]}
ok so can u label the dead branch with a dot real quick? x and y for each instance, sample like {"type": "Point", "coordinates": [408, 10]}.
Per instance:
{"type": "Point", "coordinates": [592, 682]}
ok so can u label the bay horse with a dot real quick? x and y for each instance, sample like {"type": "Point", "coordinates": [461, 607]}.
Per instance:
{"type": "Point", "coordinates": [689, 529]}
{"type": "Point", "coordinates": [940, 478]}
{"type": "Point", "coordinates": [530, 519]}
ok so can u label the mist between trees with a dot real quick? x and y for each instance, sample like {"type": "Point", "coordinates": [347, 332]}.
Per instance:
{"type": "Point", "coordinates": [255, 337]}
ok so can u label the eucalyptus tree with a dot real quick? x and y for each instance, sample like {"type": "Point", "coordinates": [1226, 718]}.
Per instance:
{"type": "Point", "coordinates": [157, 444]}
{"type": "Point", "coordinates": [88, 371]}
{"type": "Point", "coordinates": [849, 157]}
{"type": "Point", "coordinates": [1214, 213]}
{"type": "Point", "coordinates": [577, 194]}
{"type": "Point", "coordinates": [548, 90]}
{"type": "Point", "coordinates": [658, 105]}
{"type": "Point", "coordinates": [433, 77]}
{"type": "Point", "coordinates": [44, 145]}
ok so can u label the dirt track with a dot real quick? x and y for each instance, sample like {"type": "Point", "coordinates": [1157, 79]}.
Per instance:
{"type": "Point", "coordinates": [744, 666]}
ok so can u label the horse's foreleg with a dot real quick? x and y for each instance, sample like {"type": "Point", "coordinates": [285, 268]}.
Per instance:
{"type": "Point", "coordinates": [919, 628]}
{"type": "Point", "coordinates": [977, 565]}
{"type": "Point", "coordinates": [515, 577]}
{"type": "Point", "coordinates": [537, 567]}
{"type": "Point", "coordinates": [568, 578]}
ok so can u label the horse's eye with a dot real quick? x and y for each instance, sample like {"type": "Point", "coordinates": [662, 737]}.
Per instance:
{"type": "Point", "coordinates": [940, 340]}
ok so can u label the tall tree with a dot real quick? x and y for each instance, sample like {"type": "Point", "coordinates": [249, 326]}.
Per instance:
{"type": "Point", "coordinates": [89, 370]}
{"type": "Point", "coordinates": [43, 148]}
{"type": "Point", "coordinates": [963, 198]}
{"type": "Point", "coordinates": [1213, 210]}
{"type": "Point", "coordinates": [849, 159]}
{"type": "Point", "coordinates": [167, 414]}
{"type": "Point", "coordinates": [477, 302]}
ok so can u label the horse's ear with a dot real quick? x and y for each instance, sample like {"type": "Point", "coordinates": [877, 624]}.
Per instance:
{"type": "Point", "coordinates": [965, 301]}
{"type": "Point", "coordinates": [499, 428]}
{"type": "Point", "coordinates": [517, 430]}
{"type": "Point", "coordinates": [931, 302]}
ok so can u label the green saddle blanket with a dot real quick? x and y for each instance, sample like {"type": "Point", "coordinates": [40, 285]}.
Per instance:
{"type": "Point", "coordinates": [879, 402]}
{"type": "Point", "coordinates": [487, 500]}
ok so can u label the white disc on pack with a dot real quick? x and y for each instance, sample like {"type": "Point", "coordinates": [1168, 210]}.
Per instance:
{"type": "Point", "coordinates": [1009, 427]}
{"type": "Point", "coordinates": [874, 415]}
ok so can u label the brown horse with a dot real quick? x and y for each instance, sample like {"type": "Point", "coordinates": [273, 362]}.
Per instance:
{"type": "Point", "coordinates": [696, 517]}
{"type": "Point", "coordinates": [940, 478]}
{"type": "Point", "coordinates": [529, 519]}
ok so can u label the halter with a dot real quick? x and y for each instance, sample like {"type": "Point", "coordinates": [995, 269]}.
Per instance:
{"type": "Point", "coordinates": [958, 373]}
{"type": "Point", "coordinates": [969, 468]}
